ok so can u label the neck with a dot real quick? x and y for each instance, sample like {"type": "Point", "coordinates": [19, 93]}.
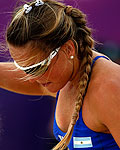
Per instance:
{"type": "Point", "coordinates": [75, 77]}
{"type": "Point", "coordinates": [76, 72]}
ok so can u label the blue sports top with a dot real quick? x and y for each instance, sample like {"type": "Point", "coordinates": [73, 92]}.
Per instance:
{"type": "Point", "coordinates": [85, 138]}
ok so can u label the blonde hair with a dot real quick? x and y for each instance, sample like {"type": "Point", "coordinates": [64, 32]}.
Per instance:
{"type": "Point", "coordinates": [58, 23]}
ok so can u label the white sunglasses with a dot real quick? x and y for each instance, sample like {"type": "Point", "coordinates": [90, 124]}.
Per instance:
{"type": "Point", "coordinates": [41, 67]}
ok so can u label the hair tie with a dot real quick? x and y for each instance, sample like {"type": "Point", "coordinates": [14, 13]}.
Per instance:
{"type": "Point", "coordinates": [27, 8]}
{"type": "Point", "coordinates": [39, 2]}
{"type": "Point", "coordinates": [68, 10]}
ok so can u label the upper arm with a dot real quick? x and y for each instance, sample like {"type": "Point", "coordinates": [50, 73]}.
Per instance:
{"type": "Point", "coordinates": [11, 80]}
{"type": "Point", "coordinates": [108, 108]}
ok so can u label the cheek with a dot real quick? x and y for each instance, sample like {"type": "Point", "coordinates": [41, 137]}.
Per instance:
{"type": "Point", "coordinates": [58, 73]}
{"type": "Point", "coordinates": [61, 72]}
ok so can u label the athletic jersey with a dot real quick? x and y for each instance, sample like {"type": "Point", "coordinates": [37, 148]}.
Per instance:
{"type": "Point", "coordinates": [84, 138]}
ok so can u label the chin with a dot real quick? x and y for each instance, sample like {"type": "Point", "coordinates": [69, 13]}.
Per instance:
{"type": "Point", "coordinates": [54, 89]}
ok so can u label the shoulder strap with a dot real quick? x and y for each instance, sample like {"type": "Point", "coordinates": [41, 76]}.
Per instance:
{"type": "Point", "coordinates": [57, 95]}
{"type": "Point", "coordinates": [97, 57]}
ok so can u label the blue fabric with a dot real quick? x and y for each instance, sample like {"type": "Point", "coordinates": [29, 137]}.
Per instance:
{"type": "Point", "coordinates": [97, 57]}
{"type": "Point", "coordinates": [85, 138]}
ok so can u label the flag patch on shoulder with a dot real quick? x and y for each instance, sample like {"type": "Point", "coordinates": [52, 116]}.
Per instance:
{"type": "Point", "coordinates": [82, 142]}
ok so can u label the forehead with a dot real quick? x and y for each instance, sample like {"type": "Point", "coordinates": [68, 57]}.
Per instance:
{"type": "Point", "coordinates": [26, 53]}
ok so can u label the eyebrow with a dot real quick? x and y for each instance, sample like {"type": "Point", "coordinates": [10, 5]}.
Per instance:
{"type": "Point", "coordinates": [50, 57]}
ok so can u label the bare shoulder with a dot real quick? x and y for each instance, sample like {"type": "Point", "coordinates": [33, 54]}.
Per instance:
{"type": "Point", "coordinates": [106, 97]}
{"type": "Point", "coordinates": [108, 93]}
{"type": "Point", "coordinates": [106, 85]}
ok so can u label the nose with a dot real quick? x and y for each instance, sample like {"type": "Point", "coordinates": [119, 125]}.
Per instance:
{"type": "Point", "coordinates": [38, 79]}
{"type": "Point", "coordinates": [32, 80]}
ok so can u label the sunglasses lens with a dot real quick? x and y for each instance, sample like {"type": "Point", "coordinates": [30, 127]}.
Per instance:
{"type": "Point", "coordinates": [37, 70]}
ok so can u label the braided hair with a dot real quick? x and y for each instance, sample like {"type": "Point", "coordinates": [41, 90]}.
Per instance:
{"type": "Point", "coordinates": [85, 44]}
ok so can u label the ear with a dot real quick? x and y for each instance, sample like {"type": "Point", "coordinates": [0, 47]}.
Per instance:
{"type": "Point", "coordinates": [69, 48]}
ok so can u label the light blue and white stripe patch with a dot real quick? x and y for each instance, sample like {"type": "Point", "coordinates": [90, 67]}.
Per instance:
{"type": "Point", "coordinates": [82, 142]}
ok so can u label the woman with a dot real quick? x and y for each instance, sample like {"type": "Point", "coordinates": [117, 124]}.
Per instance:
{"type": "Point", "coordinates": [53, 51]}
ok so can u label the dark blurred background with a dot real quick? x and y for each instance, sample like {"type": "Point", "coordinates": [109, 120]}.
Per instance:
{"type": "Point", "coordinates": [26, 121]}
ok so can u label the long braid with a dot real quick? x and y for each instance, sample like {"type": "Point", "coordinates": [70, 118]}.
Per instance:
{"type": "Point", "coordinates": [85, 45]}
